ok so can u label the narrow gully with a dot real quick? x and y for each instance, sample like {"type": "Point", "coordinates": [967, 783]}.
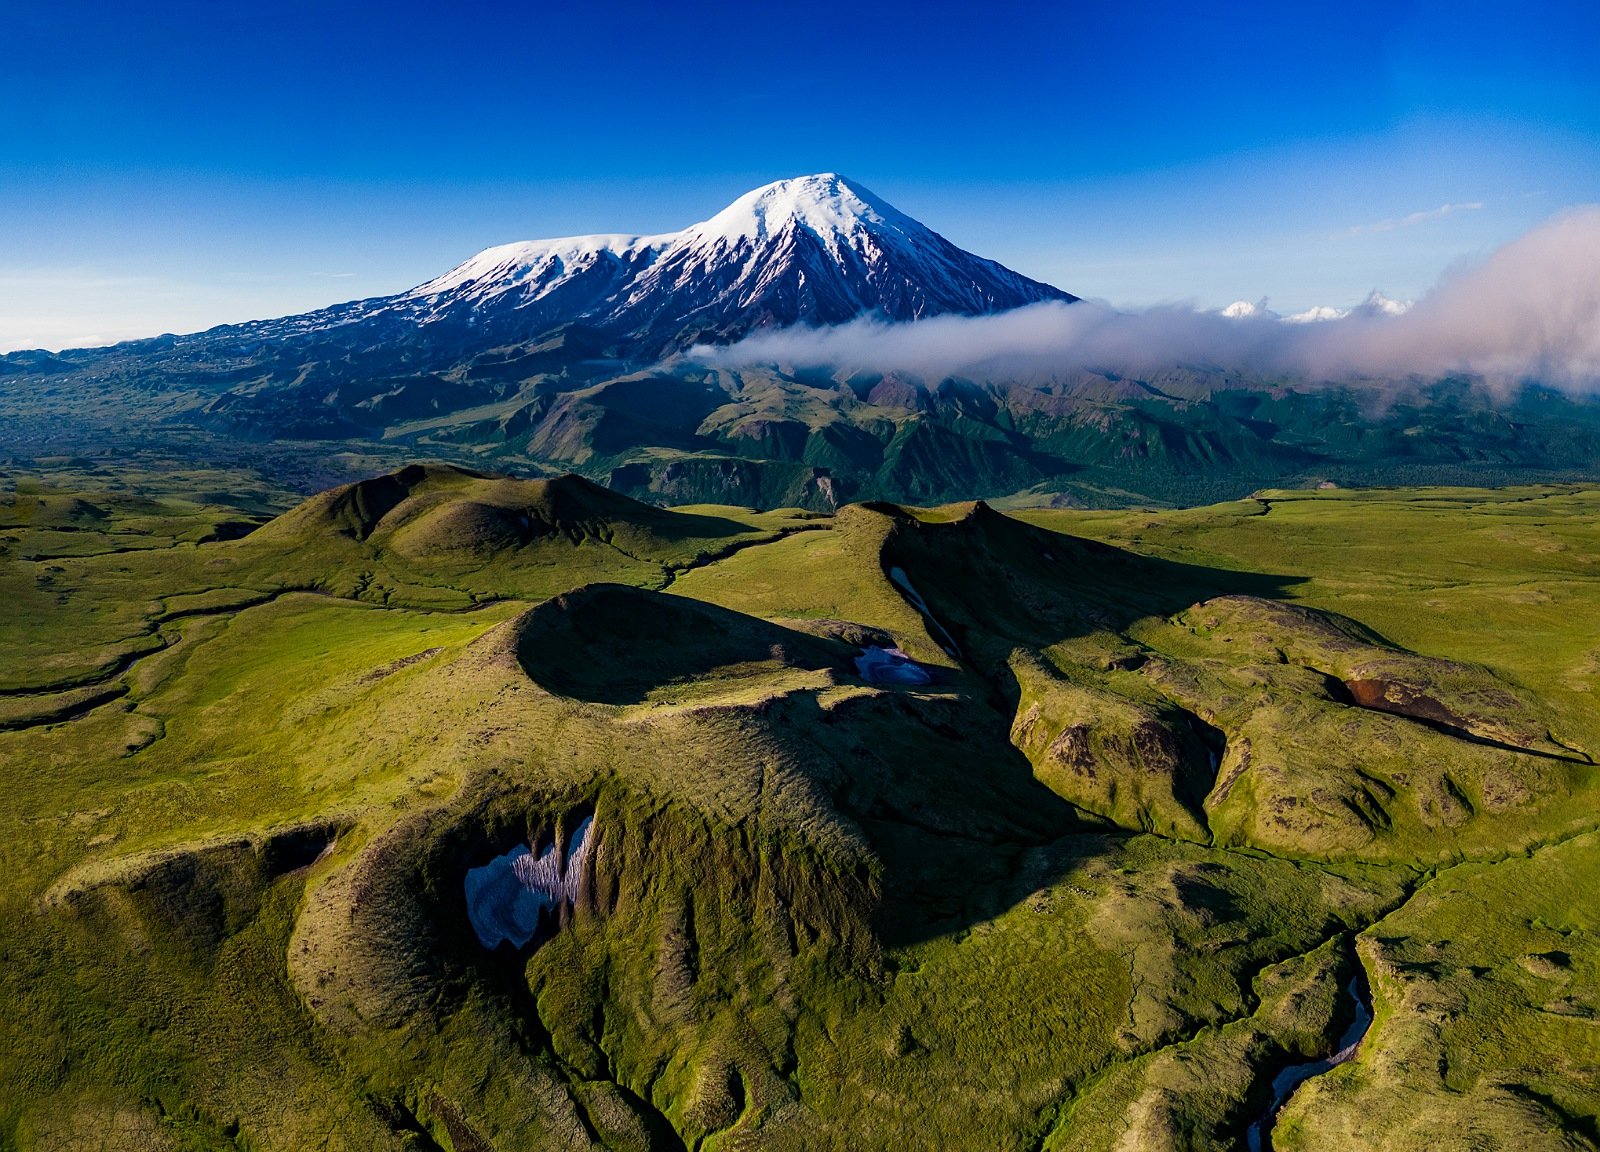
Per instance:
{"type": "Point", "coordinates": [1258, 1137]}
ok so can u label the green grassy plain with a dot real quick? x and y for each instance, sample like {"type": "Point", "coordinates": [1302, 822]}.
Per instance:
{"type": "Point", "coordinates": [1176, 776]}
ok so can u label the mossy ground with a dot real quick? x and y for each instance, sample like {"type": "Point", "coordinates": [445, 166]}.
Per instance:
{"type": "Point", "coordinates": [244, 780]}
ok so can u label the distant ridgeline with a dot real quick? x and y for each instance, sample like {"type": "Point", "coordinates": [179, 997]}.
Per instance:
{"type": "Point", "coordinates": [568, 354]}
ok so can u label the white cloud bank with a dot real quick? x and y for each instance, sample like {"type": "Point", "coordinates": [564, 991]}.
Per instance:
{"type": "Point", "coordinates": [1530, 312]}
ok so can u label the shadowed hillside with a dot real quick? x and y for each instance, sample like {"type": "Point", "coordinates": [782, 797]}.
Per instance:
{"type": "Point", "coordinates": [1108, 866]}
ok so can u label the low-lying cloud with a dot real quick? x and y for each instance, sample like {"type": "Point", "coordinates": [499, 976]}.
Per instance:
{"type": "Point", "coordinates": [1530, 312]}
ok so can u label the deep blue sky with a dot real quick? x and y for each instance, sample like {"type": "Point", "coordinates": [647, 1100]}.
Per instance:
{"type": "Point", "coordinates": [165, 166]}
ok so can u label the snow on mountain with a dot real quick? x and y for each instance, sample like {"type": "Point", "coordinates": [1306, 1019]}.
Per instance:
{"type": "Point", "coordinates": [537, 266]}
{"type": "Point", "coordinates": [1377, 304]}
{"type": "Point", "coordinates": [1245, 310]}
{"type": "Point", "coordinates": [1317, 315]}
{"type": "Point", "coordinates": [814, 249]}
{"type": "Point", "coordinates": [827, 204]}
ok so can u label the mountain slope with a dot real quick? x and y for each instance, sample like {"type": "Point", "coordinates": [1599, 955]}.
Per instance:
{"type": "Point", "coordinates": [818, 249]}
{"type": "Point", "coordinates": [814, 249]}
{"type": "Point", "coordinates": [564, 355]}
{"type": "Point", "coordinates": [534, 319]}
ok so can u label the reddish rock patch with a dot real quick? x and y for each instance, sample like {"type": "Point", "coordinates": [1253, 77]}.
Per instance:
{"type": "Point", "coordinates": [1402, 700]}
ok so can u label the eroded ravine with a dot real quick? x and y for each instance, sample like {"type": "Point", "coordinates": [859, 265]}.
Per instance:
{"type": "Point", "coordinates": [1258, 1137]}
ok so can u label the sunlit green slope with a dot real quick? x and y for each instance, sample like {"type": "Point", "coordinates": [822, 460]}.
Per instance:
{"type": "Point", "coordinates": [1173, 780]}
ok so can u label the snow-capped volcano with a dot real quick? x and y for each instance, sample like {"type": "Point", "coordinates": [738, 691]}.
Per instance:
{"type": "Point", "coordinates": [814, 249]}
{"type": "Point", "coordinates": [555, 315]}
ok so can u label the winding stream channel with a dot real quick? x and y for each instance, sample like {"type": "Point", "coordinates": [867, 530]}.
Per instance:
{"type": "Point", "coordinates": [1258, 1137]}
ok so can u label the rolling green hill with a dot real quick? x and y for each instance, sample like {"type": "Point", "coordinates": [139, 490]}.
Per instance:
{"type": "Point", "coordinates": [1175, 781]}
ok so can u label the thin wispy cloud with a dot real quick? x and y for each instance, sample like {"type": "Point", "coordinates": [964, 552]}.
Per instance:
{"type": "Point", "coordinates": [1422, 217]}
{"type": "Point", "coordinates": [1531, 311]}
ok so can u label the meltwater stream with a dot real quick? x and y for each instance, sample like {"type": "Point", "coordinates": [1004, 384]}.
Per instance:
{"type": "Point", "coordinates": [1258, 1137]}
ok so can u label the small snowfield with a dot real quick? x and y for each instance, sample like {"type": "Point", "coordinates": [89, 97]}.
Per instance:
{"type": "Point", "coordinates": [890, 666]}
{"type": "Point", "coordinates": [507, 897]}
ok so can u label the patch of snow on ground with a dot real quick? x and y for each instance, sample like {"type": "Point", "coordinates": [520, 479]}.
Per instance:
{"type": "Point", "coordinates": [903, 582]}
{"type": "Point", "coordinates": [507, 897]}
{"type": "Point", "coordinates": [890, 666]}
